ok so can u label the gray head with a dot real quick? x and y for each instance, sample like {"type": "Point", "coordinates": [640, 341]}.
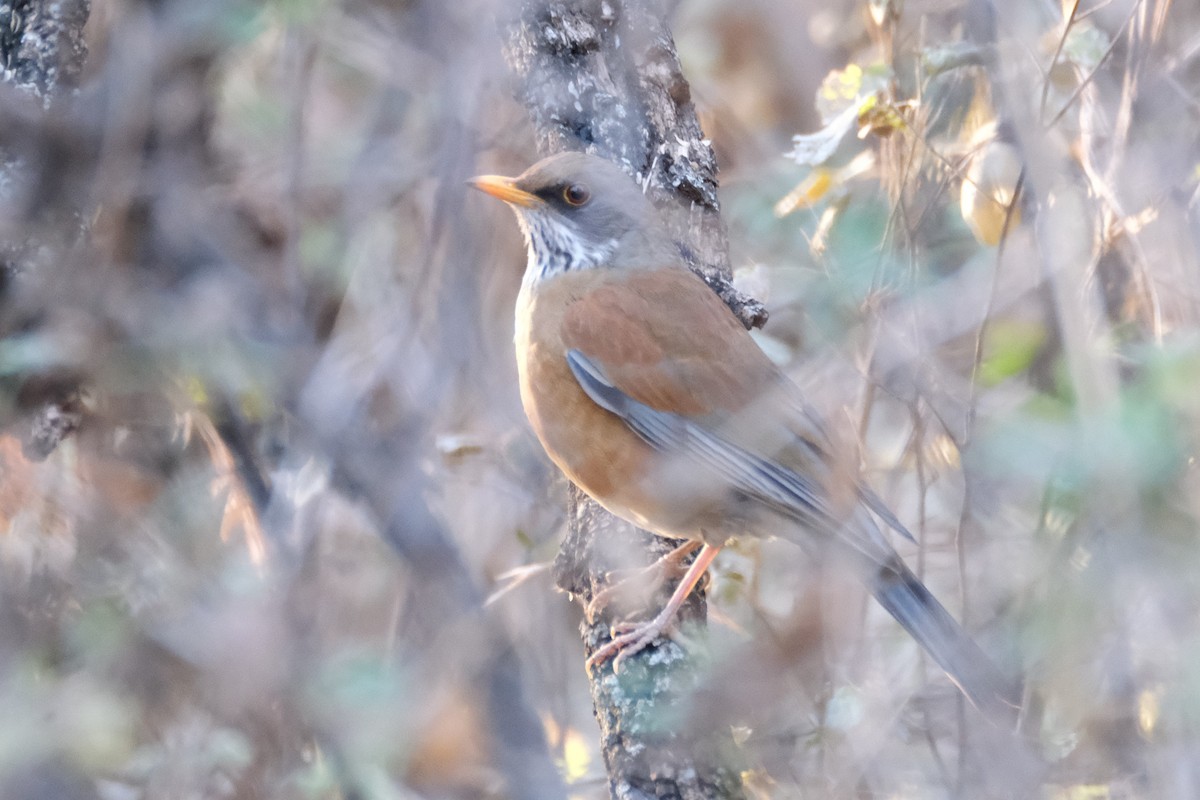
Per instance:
{"type": "Point", "coordinates": [579, 211]}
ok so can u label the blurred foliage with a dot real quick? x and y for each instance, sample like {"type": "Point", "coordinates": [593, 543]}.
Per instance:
{"type": "Point", "coordinates": [240, 269]}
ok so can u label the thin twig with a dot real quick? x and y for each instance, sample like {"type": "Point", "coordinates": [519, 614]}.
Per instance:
{"type": "Point", "coordinates": [1083, 84]}
{"type": "Point", "coordinates": [1058, 48]}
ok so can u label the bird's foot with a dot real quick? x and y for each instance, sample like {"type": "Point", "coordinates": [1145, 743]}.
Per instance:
{"type": "Point", "coordinates": [630, 638]}
{"type": "Point", "coordinates": [641, 582]}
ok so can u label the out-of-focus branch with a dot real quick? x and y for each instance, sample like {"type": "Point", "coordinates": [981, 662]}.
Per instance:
{"type": "Point", "coordinates": [382, 469]}
{"type": "Point", "coordinates": [132, 289]}
{"type": "Point", "coordinates": [1092, 267]}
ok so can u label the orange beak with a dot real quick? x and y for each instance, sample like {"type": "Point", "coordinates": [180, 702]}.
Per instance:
{"type": "Point", "coordinates": [506, 189]}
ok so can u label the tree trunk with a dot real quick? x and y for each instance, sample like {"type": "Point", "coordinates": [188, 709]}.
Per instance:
{"type": "Point", "coordinates": [603, 76]}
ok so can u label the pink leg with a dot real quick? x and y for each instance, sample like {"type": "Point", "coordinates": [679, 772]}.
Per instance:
{"type": "Point", "coordinates": [635, 636]}
{"type": "Point", "coordinates": [645, 580]}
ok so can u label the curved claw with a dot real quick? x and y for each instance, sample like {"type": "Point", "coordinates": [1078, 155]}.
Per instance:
{"type": "Point", "coordinates": [630, 638]}
{"type": "Point", "coordinates": [642, 634]}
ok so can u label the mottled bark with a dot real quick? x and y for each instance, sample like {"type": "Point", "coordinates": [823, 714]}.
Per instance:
{"type": "Point", "coordinates": [603, 76]}
{"type": "Point", "coordinates": [42, 51]}
{"type": "Point", "coordinates": [41, 43]}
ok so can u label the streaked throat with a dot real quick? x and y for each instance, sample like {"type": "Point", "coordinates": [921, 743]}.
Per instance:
{"type": "Point", "coordinates": [555, 247]}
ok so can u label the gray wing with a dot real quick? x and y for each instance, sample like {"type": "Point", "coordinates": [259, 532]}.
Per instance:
{"type": "Point", "coordinates": [785, 491]}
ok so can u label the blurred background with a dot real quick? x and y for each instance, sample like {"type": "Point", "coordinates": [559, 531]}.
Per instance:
{"type": "Point", "coordinates": [263, 457]}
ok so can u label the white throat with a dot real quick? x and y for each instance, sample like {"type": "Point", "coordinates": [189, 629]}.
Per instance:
{"type": "Point", "coordinates": [556, 247]}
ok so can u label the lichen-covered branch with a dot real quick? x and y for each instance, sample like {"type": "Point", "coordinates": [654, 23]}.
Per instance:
{"type": "Point", "coordinates": [41, 43]}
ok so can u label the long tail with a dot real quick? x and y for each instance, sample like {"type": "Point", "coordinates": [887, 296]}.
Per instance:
{"type": "Point", "coordinates": [904, 596]}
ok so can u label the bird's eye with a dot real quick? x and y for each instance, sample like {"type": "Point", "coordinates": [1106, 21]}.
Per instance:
{"type": "Point", "coordinates": [576, 194]}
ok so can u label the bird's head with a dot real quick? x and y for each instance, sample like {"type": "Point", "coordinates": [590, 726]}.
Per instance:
{"type": "Point", "coordinates": [579, 211]}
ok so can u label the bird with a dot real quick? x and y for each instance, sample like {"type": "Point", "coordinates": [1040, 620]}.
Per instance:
{"type": "Point", "coordinates": [649, 394]}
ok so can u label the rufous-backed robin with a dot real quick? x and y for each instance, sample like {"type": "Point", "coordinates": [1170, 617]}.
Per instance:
{"type": "Point", "coordinates": [648, 393]}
